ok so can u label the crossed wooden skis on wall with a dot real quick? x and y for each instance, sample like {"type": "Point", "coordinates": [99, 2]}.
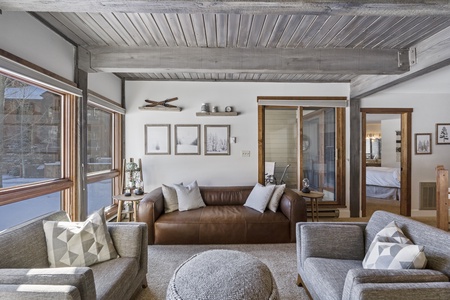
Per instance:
{"type": "Point", "coordinates": [163, 103]}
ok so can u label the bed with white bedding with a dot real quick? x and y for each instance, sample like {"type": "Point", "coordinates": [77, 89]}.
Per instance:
{"type": "Point", "coordinates": [383, 182]}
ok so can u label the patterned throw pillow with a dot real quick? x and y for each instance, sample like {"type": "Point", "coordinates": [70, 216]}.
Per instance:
{"type": "Point", "coordinates": [77, 244]}
{"type": "Point", "coordinates": [391, 249]}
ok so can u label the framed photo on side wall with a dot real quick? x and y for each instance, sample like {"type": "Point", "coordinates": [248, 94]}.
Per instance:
{"type": "Point", "coordinates": [187, 139]}
{"type": "Point", "coordinates": [422, 143]}
{"type": "Point", "coordinates": [442, 133]}
{"type": "Point", "coordinates": [157, 139]}
{"type": "Point", "coordinates": [217, 139]}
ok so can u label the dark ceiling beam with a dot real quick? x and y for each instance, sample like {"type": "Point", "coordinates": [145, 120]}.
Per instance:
{"type": "Point", "coordinates": [431, 54]}
{"type": "Point", "coordinates": [257, 60]}
{"type": "Point", "coordinates": [314, 7]}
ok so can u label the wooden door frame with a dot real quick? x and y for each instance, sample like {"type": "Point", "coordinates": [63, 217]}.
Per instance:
{"type": "Point", "coordinates": [405, 161]}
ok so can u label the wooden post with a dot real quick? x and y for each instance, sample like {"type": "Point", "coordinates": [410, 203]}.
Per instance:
{"type": "Point", "coordinates": [442, 195]}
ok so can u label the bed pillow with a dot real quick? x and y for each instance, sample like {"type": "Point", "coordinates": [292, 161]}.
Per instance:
{"type": "Point", "coordinates": [276, 196]}
{"type": "Point", "coordinates": [259, 197]}
{"type": "Point", "coordinates": [170, 198]}
{"type": "Point", "coordinates": [79, 244]}
{"type": "Point", "coordinates": [189, 196]}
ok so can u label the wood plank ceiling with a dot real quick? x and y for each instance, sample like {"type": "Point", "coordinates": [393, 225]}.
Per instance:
{"type": "Point", "coordinates": [137, 35]}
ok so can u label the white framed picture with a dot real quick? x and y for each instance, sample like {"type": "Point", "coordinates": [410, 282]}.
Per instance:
{"type": "Point", "coordinates": [217, 139]}
{"type": "Point", "coordinates": [423, 143]}
{"type": "Point", "coordinates": [157, 139]}
{"type": "Point", "coordinates": [187, 139]}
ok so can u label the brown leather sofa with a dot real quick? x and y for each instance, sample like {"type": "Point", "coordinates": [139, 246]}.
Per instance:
{"type": "Point", "coordinates": [224, 219]}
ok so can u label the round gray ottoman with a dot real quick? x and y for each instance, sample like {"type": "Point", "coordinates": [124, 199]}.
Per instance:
{"type": "Point", "coordinates": [222, 275]}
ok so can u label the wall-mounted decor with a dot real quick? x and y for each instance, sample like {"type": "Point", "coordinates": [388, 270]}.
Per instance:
{"type": "Point", "coordinates": [398, 145]}
{"type": "Point", "coordinates": [442, 133]}
{"type": "Point", "coordinates": [187, 139]}
{"type": "Point", "coordinates": [217, 139]}
{"type": "Point", "coordinates": [423, 143]}
{"type": "Point", "coordinates": [161, 105]}
{"type": "Point", "coordinates": [157, 139]}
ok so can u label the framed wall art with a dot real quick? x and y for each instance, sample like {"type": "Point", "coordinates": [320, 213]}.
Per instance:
{"type": "Point", "coordinates": [157, 139]}
{"type": "Point", "coordinates": [422, 143]}
{"type": "Point", "coordinates": [217, 139]}
{"type": "Point", "coordinates": [187, 139]}
{"type": "Point", "coordinates": [442, 133]}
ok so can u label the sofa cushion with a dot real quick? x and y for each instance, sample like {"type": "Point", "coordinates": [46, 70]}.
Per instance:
{"type": "Point", "coordinates": [110, 276]}
{"type": "Point", "coordinates": [259, 197]}
{"type": "Point", "coordinates": [276, 196]}
{"type": "Point", "coordinates": [75, 244]}
{"type": "Point", "coordinates": [189, 196]}
{"type": "Point", "coordinates": [170, 198]}
{"type": "Point", "coordinates": [328, 275]}
{"type": "Point", "coordinates": [392, 231]}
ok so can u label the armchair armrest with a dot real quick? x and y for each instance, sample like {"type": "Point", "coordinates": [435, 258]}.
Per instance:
{"type": "Point", "coordinates": [357, 277]}
{"type": "Point", "coordinates": [35, 291]}
{"type": "Point", "coordinates": [398, 291]}
{"type": "Point", "coordinates": [151, 207]}
{"type": "Point", "coordinates": [82, 278]}
{"type": "Point", "coordinates": [330, 240]}
{"type": "Point", "coordinates": [130, 240]}
{"type": "Point", "coordinates": [293, 206]}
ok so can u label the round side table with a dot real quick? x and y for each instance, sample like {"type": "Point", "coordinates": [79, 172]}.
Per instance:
{"type": "Point", "coordinates": [135, 199]}
{"type": "Point", "coordinates": [314, 197]}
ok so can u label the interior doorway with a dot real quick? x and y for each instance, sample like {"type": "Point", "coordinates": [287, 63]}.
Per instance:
{"type": "Point", "coordinates": [386, 159]}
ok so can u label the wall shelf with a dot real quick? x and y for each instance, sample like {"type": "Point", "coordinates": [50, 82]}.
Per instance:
{"type": "Point", "coordinates": [160, 108]}
{"type": "Point", "coordinates": [216, 114]}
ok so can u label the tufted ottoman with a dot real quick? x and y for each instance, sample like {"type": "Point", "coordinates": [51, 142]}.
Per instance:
{"type": "Point", "coordinates": [222, 275]}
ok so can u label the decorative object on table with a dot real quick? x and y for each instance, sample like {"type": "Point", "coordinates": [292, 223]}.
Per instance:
{"type": "Point", "coordinates": [131, 175]}
{"type": "Point", "coordinates": [157, 139]}
{"type": "Point", "coordinates": [215, 109]}
{"type": "Point", "coordinates": [187, 139]}
{"type": "Point", "coordinates": [423, 143]}
{"type": "Point", "coordinates": [442, 133]}
{"type": "Point", "coordinates": [217, 139]}
{"type": "Point", "coordinates": [305, 188]}
{"type": "Point", "coordinates": [139, 187]}
{"type": "Point", "coordinates": [204, 107]}
{"type": "Point", "coordinates": [228, 109]}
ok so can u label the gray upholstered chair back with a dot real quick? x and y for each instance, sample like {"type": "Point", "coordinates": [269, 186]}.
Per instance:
{"type": "Point", "coordinates": [436, 241]}
{"type": "Point", "coordinates": [24, 245]}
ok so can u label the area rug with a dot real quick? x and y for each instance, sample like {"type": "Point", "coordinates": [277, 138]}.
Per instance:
{"type": "Point", "coordinates": [280, 258]}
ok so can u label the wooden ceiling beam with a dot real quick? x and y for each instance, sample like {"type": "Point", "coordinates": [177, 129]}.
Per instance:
{"type": "Point", "coordinates": [431, 54]}
{"type": "Point", "coordinates": [256, 60]}
{"type": "Point", "coordinates": [313, 7]}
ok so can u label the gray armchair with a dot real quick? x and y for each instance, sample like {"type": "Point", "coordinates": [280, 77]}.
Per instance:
{"type": "Point", "coordinates": [25, 272]}
{"type": "Point", "coordinates": [330, 254]}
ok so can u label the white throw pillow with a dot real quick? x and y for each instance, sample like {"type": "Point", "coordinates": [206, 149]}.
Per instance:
{"type": "Point", "coordinates": [189, 196]}
{"type": "Point", "coordinates": [276, 196]}
{"type": "Point", "coordinates": [170, 198]}
{"type": "Point", "coordinates": [79, 244]}
{"type": "Point", "coordinates": [259, 197]}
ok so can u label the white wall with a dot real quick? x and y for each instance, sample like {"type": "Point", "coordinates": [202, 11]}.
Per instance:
{"type": "Point", "coordinates": [24, 36]}
{"type": "Point", "coordinates": [389, 142]}
{"type": "Point", "coordinates": [208, 170]}
{"type": "Point", "coordinates": [107, 85]}
{"type": "Point", "coordinates": [429, 96]}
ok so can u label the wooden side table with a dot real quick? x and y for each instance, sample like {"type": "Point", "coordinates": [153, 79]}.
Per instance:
{"type": "Point", "coordinates": [314, 197]}
{"type": "Point", "coordinates": [135, 199]}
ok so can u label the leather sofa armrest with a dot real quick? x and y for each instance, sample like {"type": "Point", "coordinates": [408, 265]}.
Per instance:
{"type": "Point", "coordinates": [151, 207]}
{"type": "Point", "coordinates": [37, 291]}
{"type": "Point", "coordinates": [293, 206]}
{"type": "Point", "coordinates": [82, 278]}
{"type": "Point", "coordinates": [356, 277]}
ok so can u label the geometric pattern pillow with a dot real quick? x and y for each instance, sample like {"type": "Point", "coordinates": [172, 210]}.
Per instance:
{"type": "Point", "coordinates": [393, 231]}
{"type": "Point", "coordinates": [76, 244]}
{"type": "Point", "coordinates": [395, 256]}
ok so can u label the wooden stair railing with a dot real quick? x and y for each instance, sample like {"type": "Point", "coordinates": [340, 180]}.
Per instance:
{"type": "Point", "coordinates": [442, 197]}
